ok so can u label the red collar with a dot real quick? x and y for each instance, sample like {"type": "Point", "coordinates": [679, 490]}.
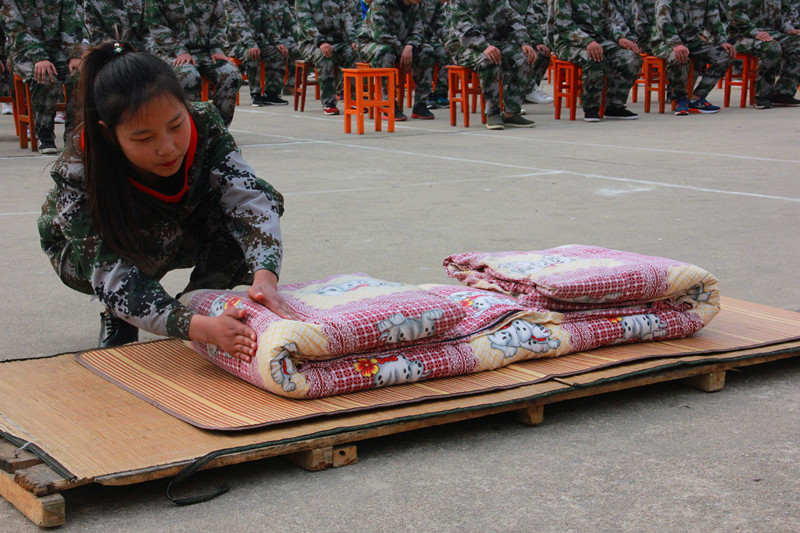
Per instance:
{"type": "Point", "coordinates": [175, 198]}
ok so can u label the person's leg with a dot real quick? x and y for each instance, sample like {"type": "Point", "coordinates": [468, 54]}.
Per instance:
{"type": "Point", "coordinates": [70, 85]}
{"type": "Point", "coordinates": [677, 75]}
{"type": "Point", "coordinates": [44, 98]}
{"type": "Point", "coordinates": [422, 70]}
{"type": "Point", "coordinates": [787, 83]}
{"type": "Point", "coordinates": [489, 75]}
{"type": "Point", "coordinates": [592, 79]}
{"type": "Point", "coordinates": [443, 59]}
{"type": "Point", "coordinates": [191, 81]}
{"type": "Point", "coordinates": [624, 68]}
{"type": "Point", "coordinates": [294, 55]}
{"type": "Point", "coordinates": [516, 73]}
{"type": "Point", "coordinates": [769, 64]}
{"type": "Point", "coordinates": [252, 69]}
{"type": "Point", "coordinates": [326, 73]}
{"type": "Point", "coordinates": [274, 72]}
{"type": "Point", "coordinates": [716, 60]}
{"type": "Point", "coordinates": [227, 80]}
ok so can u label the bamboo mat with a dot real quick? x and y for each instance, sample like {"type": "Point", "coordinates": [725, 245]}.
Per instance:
{"type": "Point", "coordinates": [95, 428]}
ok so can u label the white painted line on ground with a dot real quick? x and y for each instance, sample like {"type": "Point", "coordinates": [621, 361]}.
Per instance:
{"type": "Point", "coordinates": [20, 213]}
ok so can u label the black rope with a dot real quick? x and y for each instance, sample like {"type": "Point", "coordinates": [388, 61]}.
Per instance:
{"type": "Point", "coordinates": [186, 473]}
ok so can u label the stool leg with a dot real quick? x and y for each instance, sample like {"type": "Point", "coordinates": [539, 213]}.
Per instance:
{"type": "Point", "coordinates": [298, 84]}
{"type": "Point", "coordinates": [573, 94]}
{"type": "Point", "coordinates": [451, 95]}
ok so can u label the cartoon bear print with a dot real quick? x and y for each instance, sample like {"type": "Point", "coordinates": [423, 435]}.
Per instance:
{"type": "Point", "coordinates": [525, 335]}
{"type": "Point", "coordinates": [398, 369]}
{"type": "Point", "coordinates": [644, 327]}
{"type": "Point", "coordinates": [526, 268]}
{"type": "Point", "coordinates": [401, 328]}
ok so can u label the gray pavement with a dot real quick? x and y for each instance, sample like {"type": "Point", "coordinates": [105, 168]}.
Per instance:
{"type": "Point", "coordinates": [721, 191]}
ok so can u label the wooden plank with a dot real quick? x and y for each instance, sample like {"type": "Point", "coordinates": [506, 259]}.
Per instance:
{"type": "Point", "coordinates": [313, 460]}
{"type": "Point", "coordinates": [344, 455]}
{"type": "Point", "coordinates": [46, 511]}
{"type": "Point", "coordinates": [41, 479]}
{"type": "Point", "coordinates": [711, 382]}
{"type": "Point", "coordinates": [532, 414]}
{"type": "Point", "coordinates": [12, 458]}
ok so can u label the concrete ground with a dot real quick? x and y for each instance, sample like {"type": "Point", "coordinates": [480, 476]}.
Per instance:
{"type": "Point", "coordinates": [720, 191]}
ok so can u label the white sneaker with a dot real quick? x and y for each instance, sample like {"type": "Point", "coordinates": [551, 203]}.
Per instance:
{"type": "Point", "coordinates": [538, 96]}
{"type": "Point", "coordinates": [60, 117]}
{"type": "Point", "coordinates": [7, 109]}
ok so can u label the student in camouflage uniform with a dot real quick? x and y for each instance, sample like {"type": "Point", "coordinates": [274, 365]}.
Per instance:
{"type": "Point", "coordinates": [593, 35]}
{"type": "Point", "coordinates": [116, 20]}
{"type": "Point", "coordinates": [691, 31]}
{"type": "Point", "coordinates": [190, 35]}
{"type": "Point", "coordinates": [764, 28]}
{"type": "Point", "coordinates": [43, 41]}
{"type": "Point", "coordinates": [644, 18]}
{"type": "Point", "coordinates": [435, 26]}
{"type": "Point", "coordinates": [118, 218]}
{"type": "Point", "coordinates": [532, 18]}
{"type": "Point", "coordinates": [489, 37]}
{"type": "Point", "coordinates": [392, 34]}
{"type": "Point", "coordinates": [266, 32]}
{"type": "Point", "coordinates": [327, 40]}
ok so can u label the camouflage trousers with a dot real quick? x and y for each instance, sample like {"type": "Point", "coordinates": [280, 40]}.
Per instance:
{"type": "Point", "coordinates": [778, 63]}
{"type": "Point", "coordinates": [385, 56]}
{"type": "Point", "coordinates": [513, 69]}
{"type": "Point", "coordinates": [223, 78]}
{"type": "Point", "coordinates": [204, 243]}
{"type": "Point", "coordinates": [45, 97]}
{"type": "Point", "coordinates": [274, 69]}
{"type": "Point", "coordinates": [442, 58]}
{"type": "Point", "coordinates": [618, 70]}
{"type": "Point", "coordinates": [539, 69]}
{"type": "Point", "coordinates": [343, 56]}
{"type": "Point", "coordinates": [712, 57]}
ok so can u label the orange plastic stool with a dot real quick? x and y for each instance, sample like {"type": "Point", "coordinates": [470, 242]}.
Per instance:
{"type": "Point", "coordinates": [463, 82]}
{"type": "Point", "coordinates": [567, 84]}
{"type": "Point", "coordinates": [654, 80]}
{"type": "Point", "coordinates": [24, 118]}
{"type": "Point", "coordinates": [371, 100]}
{"type": "Point", "coordinates": [301, 83]}
{"type": "Point", "coordinates": [747, 80]}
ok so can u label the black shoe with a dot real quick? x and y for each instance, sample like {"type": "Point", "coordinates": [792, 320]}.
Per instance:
{"type": "Point", "coordinates": [784, 100]}
{"type": "Point", "coordinates": [421, 111]}
{"type": "Point", "coordinates": [273, 99]}
{"type": "Point", "coordinates": [257, 100]}
{"type": "Point", "coordinates": [591, 114]}
{"type": "Point", "coordinates": [399, 116]}
{"type": "Point", "coordinates": [620, 113]}
{"type": "Point", "coordinates": [762, 103]}
{"type": "Point", "coordinates": [48, 148]}
{"type": "Point", "coordinates": [115, 331]}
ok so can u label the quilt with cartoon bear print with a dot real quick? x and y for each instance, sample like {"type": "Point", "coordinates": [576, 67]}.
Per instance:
{"type": "Point", "coordinates": [359, 333]}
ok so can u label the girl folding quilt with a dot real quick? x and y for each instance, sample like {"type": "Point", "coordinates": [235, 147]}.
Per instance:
{"type": "Point", "coordinates": [357, 332]}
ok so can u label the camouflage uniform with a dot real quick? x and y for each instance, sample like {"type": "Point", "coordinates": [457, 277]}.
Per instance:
{"type": "Point", "coordinates": [225, 226]}
{"type": "Point", "coordinates": [116, 20]}
{"type": "Point", "coordinates": [326, 21]}
{"type": "Point", "coordinates": [696, 25]}
{"type": "Point", "coordinates": [779, 59]}
{"type": "Point", "coordinates": [5, 77]}
{"type": "Point", "coordinates": [532, 18]}
{"type": "Point", "coordinates": [187, 26]}
{"type": "Point", "coordinates": [579, 22]}
{"type": "Point", "coordinates": [434, 19]}
{"type": "Point", "coordinates": [644, 18]}
{"type": "Point", "coordinates": [390, 26]}
{"type": "Point", "coordinates": [265, 24]}
{"type": "Point", "coordinates": [44, 30]}
{"type": "Point", "coordinates": [476, 24]}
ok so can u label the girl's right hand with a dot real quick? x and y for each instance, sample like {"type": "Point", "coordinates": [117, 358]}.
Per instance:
{"type": "Point", "coordinates": [226, 331]}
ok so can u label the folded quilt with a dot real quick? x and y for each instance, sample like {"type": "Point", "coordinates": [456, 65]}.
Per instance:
{"type": "Point", "coordinates": [479, 329]}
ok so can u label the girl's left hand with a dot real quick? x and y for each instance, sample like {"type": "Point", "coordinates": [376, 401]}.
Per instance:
{"type": "Point", "coordinates": [264, 290]}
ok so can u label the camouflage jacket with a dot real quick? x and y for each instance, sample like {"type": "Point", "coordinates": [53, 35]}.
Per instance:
{"type": "Point", "coordinates": [747, 18]}
{"type": "Point", "coordinates": [681, 21]}
{"type": "Point", "coordinates": [644, 19]}
{"type": "Point", "coordinates": [434, 18]}
{"type": "Point", "coordinates": [476, 24]}
{"type": "Point", "coordinates": [122, 20]}
{"type": "Point", "coordinates": [261, 23]}
{"type": "Point", "coordinates": [217, 174]}
{"type": "Point", "coordinates": [579, 22]}
{"type": "Point", "coordinates": [187, 26]}
{"type": "Point", "coordinates": [392, 23]}
{"type": "Point", "coordinates": [33, 27]}
{"type": "Point", "coordinates": [531, 19]}
{"type": "Point", "coordinates": [325, 21]}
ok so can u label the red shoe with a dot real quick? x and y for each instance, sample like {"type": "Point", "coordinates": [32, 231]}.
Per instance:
{"type": "Point", "coordinates": [332, 110]}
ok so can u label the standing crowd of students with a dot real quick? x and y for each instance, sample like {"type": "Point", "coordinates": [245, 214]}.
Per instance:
{"type": "Point", "coordinates": [508, 40]}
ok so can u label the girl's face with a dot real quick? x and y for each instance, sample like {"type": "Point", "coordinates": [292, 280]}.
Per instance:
{"type": "Point", "coordinates": [156, 138]}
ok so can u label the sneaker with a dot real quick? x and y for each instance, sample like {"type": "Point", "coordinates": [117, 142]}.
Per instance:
{"type": "Point", "coordinates": [495, 121]}
{"type": "Point", "coordinates": [620, 113]}
{"type": "Point", "coordinates": [762, 103]}
{"type": "Point", "coordinates": [7, 109]}
{"type": "Point", "coordinates": [682, 107]}
{"type": "Point", "coordinates": [47, 148]}
{"type": "Point", "coordinates": [271, 98]}
{"type": "Point", "coordinates": [115, 331]}
{"type": "Point", "coordinates": [257, 100]}
{"type": "Point", "coordinates": [330, 110]}
{"type": "Point", "coordinates": [523, 112]}
{"type": "Point", "coordinates": [60, 117]}
{"type": "Point", "coordinates": [517, 121]}
{"type": "Point", "coordinates": [538, 96]}
{"type": "Point", "coordinates": [701, 105]}
{"type": "Point", "coordinates": [421, 111]}
{"type": "Point", "coordinates": [399, 116]}
{"type": "Point", "coordinates": [591, 114]}
{"type": "Point", "coordinates": [784, 100]}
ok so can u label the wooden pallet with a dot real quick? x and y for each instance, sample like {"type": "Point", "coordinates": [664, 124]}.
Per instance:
{"type": "Point", "coordinates": [36, 489]}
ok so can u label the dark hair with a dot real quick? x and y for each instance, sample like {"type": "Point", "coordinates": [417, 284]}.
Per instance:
{"type": "Point", "coordinates": [115, 82]}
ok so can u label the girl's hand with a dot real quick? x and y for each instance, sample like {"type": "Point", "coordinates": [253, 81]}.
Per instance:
{"type": "Point", "coordinates": [226, 331]}
{"type": "Point", "coordinates": [265, 291]}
